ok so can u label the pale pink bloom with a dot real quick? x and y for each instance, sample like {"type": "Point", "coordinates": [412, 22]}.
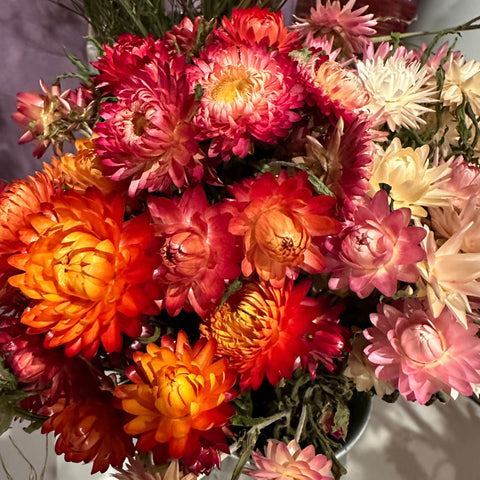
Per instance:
{"type": "Point", "coordinates": [138, 469]}
{"type": "Point", "coordinates": [377, 249]}
{"type": "Point", "coordinates": [249, 94]}
{"type": "Point", "coordinates": [448, 220]}
{"type": "Point", "coordinates": [284, 462]}
{"type": "Point", "coordinates": [421, 354]}
{"type": "Point", "coordinates": [350, 28]}
{"type": "Point", "coordinates": [463, 181]}
{"type": "Point", "coordinates": [448, 276]}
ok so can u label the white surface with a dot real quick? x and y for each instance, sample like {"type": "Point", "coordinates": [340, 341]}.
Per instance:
{"type": "Point", "coordinates": [439, 14]}
{"type": "Point", "coordinates": [403, 441]}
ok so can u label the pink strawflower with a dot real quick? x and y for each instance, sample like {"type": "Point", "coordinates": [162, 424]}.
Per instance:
{"type": "Point", "coordinates": [52, 116]}
{"type": "Point", "coordinates": [148, 135]}
{"type": "Point", "coordinates": [256, 26]}
{"type": "Point", "coordinates": [198, 254]}
{"type": "Point", "coordinates": [280, 223]}
{"type": "Point", "coordinates": [378, 248]}
{"type": "Point", "coordinates": [350, 28]}
{"type": "Point", "coordinates": [249, 95]}
{"type": "Point", "coordinates": [420, 354]}
{"type": "Point", "coordinates": [182, 38]}
{"type": "Point", "coordinates": [284, 462]}
{"type": "Point", "coordinates": [464, 181]}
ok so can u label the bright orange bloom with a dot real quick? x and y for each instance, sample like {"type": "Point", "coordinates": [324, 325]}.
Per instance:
{"type": "Point", "coordinates": [281, 221]}
{"type": "Point", "coordinates": [18, 200]}
{"type": "Point", "coordinates": [178, 394]}
{"type": "Point", "coordinates": [85, 272]}
{"type": "Point", "coordinates": [91, 431]}
{"type": "Point", "coordinates": [267, 331]}
{"type": "Point", "coordinates": [84, 169]}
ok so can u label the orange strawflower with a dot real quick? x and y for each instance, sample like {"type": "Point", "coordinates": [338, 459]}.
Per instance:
{"type": "Point", "coordinates": [18, 200]}
{"type": "Point", "coordinates": [281, 223]}
{"type": "Point", "coordinates": [179, 394]}
{"type": "Point", "coordinates": [85, 272]}
{"type": "Point", "coordinates": [84, 169]}
{"type": "Point", "coordinates": [91, 431]}
{"type": "Point", "coordinates": [267, 332]}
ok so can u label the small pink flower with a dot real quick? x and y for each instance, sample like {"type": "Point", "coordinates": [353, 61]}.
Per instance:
{"type": "Point", "coordinates": [378, 248]}
{"type": "Point", "coordinates": [350, 28]}
{"type": "Point", "coordinates": [420, 354]}
{"type": "Point", "coordinates": [284, 462]}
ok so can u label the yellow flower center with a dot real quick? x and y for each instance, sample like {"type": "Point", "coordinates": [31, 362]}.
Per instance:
{"type": "Point", "coordinates": [232, 87]}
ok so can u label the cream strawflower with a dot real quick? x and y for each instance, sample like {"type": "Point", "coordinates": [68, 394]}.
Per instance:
{"type": "Point", "coordinates": [413, 183]}
{"type": "Point", "coordinates": [398, 90]}
{"type": "Point", "coordinates": [362, 371]}
{"type": "Point", "coordinates": [462, 79]}
{"type": "Point", "coordinates": [448, 276]}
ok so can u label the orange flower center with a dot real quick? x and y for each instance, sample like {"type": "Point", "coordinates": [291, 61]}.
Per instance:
{"type": "Point", "coordinates": [233, 86]}
{"type": "Point", "coordinates": [84, 266]}
{"type": "Point", "coordinates": [281, 235]}
{"type": "Point", "coordinates": [177, 390]}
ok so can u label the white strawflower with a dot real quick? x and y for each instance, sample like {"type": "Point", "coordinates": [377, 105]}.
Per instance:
{"type": "Point", "coordinates": [398, 90]}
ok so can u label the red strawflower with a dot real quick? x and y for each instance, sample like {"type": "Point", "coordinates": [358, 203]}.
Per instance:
{"type": "Point", "coordinates": [281, 223]}
{"type": "Point", "coordinates": [256, 26]}
{"type": "Point", "coordinates": [198, 254]}
{"type": "Point", "coordinates": [91, 431]}
{"type": "Point", "coordinates": [266, 331]}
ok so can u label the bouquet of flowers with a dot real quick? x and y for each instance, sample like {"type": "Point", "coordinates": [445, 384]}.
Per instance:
{"type": "Point", "coordinates": [257, 223]}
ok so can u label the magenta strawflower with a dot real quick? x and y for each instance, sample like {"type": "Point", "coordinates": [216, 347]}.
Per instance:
{"type": "Point", "coordinates": [249, 94]}
{"type": "Point", "coordinates": [284, 462]}
{"type": "Point", "coordinates": [148, 135]}
{"type": "Point", "coordinates": [377, 249]}
{"type": "Point", "coordinates": [420, 354]}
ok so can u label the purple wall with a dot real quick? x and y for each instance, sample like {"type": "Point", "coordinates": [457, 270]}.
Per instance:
{"type": "Point", "coordinates": [33, 34]}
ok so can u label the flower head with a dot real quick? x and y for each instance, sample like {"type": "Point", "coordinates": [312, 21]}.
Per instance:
{"type": "Point", "coordinates": [256, 26]}
{"type": "Point", "coordinates": [136, 469]}
{"type": "Point", "coordinates": [398, 90]}
{"type": "Point", "coordinates": [281, 221]}
{"type": "Point", "coordinates": [265, 331]}
{"type": "Point", "coordinates": [91, 431]}
{"type": "Point", "coordinates": [85, 272]}
{"type": "Point", "coordinates": [282, 462]}
{"type": "Point", "coordinates": [84, 169]}
{"type": "Point", "coordinates": [350, 28]}
{"type": "Point", "coordinates": [198, 254]}
{"type": "Point", "coordinates": [249, 94]}
{"type": "Point", "coordinates": [178, 394]}
{"type": "Point", "coordinates": [377, 249]}
{"type": "Point", "coordinates": [147, 136]}
{"type": "Point", "coordinates": [414, 184]}
{"type": "Point", "coordinates": [52, 117]}
{"type": "Point", "coordinates": [421, 354]}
